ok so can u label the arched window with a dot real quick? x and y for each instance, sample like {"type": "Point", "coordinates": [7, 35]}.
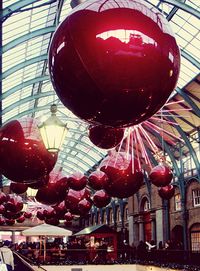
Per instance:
{"type": "Point", "coordinates": [126, 213]}
{"type": "Point", "coordinates": [111, 217]}
{"type": "Point", "coordinates": [118, 215]}
{"type": "Point", "coordinates": [104, 218]}
{"type": "Point", "coordinates": [145, 205]}
{"type": "Point", "coordinates": [195, 237]}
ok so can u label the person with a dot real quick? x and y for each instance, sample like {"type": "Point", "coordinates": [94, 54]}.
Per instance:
{"type": "Point", "coordinates": [6, 255]}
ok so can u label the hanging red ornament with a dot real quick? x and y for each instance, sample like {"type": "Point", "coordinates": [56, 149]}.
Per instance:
{"type": "Point", "coordinates": [60, 210]}
{"type": "Point", "coordinates": [14, 203]}
{"type": "Point", "coordinates": [84, 206]}
{"type": "Point", "coordinates": [2, 221]}
{"type": "Point", "coordinates": [97, 179]}
{"type": "Point", "coordinates": [124, 178]}
{"type": "Point", "coordinates": [101, 199]}
{"type": "Point", "coordinates": [166, 192]}
{"type": "Point", "coordinates": [52, 221]}
{"type": "Point", "coordinates": [49, 212]}
{"type": "Point", "coordinates": [68, 216]}
{"type": "Point", "coordinates": [23, 156]}
{"type": "Point", "coordinates": [77, 181]}
{"type": "Point", "coordinates": [40, 214]}
{"type": "Point", "coordinates": [2, 209]}
{"type": "Point", "coordinates": [21, 219]}
{"type": "Point", "coordinates": [27, 214]}
{"type": "Point", "coordinates": [105, 137]}
{"type": "Point", "coordinates": [121, 71]}
{"type": "Point", "coordinates": [161, 175]}
{"type": "Point", "coordinates": [10, 222]}
{"type": "Point", "coordinates": [18, 188]}
{"type": "Point", "coordinates": [74, 197]}
{"type": "Point", "coordinates": [55, 191]}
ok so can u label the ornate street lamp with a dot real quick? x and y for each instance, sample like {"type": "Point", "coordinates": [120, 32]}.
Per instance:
{"type": "Point", "coordinates": [53, 131]}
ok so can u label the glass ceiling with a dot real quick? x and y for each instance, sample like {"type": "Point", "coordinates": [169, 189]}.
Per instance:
{"type": "Point", "coordinates": [28, 26]}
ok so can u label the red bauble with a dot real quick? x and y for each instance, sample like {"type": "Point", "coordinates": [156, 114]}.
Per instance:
{"type": "Point", "coordinates": [161, 175]}
{"type": "Point", "coordinates": [2, 209]}
{"type": "Point", "coordinates": [77, 181]}
{"type": "Point", "coordinates": [84, 206]}
{"type": "Point", "coordinates": [68, 216]}
{"type": "Point", "coordinates": [12, 215]}
{"type": "Point", "coordinates": [60, 210]}
{"type": "Point", "coordinates": [105, 137]}
{"type": "Point", "coordinates": [166, 192]}
{"type": "Point", "coordinates": [3, 197]}
{"type": "Point", "coordinates": [123, 179]}
{"type": "Point", "coordinates": [14, 203]}
{"type": "Point", "coordinates": [40, 214]}
{"type": "Point", "coordinates": [52, 221]}
{"type": "Point", "coordinates": [23, 156]}
{"type": "Point", "coordinates": [121, 71]}
{"type": "Point", "coordinates": [27, 214]}
{"type": "Point", "coordinates": [21, 219]}
{"type": "Point", "coordinates": [73, 198]}
{"type": "Point", "coordinates": [10, 222]}
{"type": "Point", "coordinates": [55, 191]}
{"type": "Point", "coordinates": [49, 212]}
{"type": "Point", "coordinates": [18, 188]}
{"type": "Point", "coordinates": [101, 199]}
{"type": "Point", "coordinates": [97, 180]}
{"type": "Point", "coordinates": [2, 221]}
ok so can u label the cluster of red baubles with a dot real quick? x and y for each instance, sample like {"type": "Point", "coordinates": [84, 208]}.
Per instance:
{"type": "Point", "coordinates": [11, 209]}
{"type": "Point", "coordinates": [161, 176]}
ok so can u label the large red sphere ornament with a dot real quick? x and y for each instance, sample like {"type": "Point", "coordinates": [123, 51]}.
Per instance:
{"type": "Point", "coordinates": [105, 137]}
{"type": "Point", "coordinates": [101, 199]}
{"type": "Point", "coordinates": [166, 192]}
{"type": "Point", "coordinates": [124, 179]}
{"type": "Point", "coordinates": [23, 156]}
{"type": "Point", "coordinates": [120, 71]}
{"type": "Point", "coordinates": [97, 179]}
{"type": "Point", "coordinates": [84, 206]}
{"type": "Point", "coordinates": [161, 175]}
{"type": "Point", "coordinates": [60, 210]}
{"type": "Point", "coordinates": [77, 181]}
{"type": "Point", "coordinates": [14, 203]}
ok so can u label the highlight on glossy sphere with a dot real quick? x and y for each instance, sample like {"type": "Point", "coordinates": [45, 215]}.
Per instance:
{"type": "Point", "coordinates": [105, 137]}
{"type": "Point", "coordinates": [161, 175]}
{"type": "Point", "coordinates": [124, 176]}
{"type": "Point", "coordinates": [120, 71]}
{"type": "Point", "coordinates": [23, 156]}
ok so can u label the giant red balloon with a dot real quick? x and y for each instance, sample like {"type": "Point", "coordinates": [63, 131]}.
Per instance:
{"type": "Point", "coordinates": [120, 71]}
{"type": "Point", "coordinates": [105, 137]}
{"type": "Point", "coordinates": [74, 197]}
{"type": "Point", "coordinates": [166, 192]}
{"type": "Point", "coordinates": [123, 179]}
{"type": "Point", "coordinates": [101, 199]}
{"type": "Point", "coordinates": [23, 156]}
{"type": "Point", "coordinates": [161, 175]}
{"type": "Point", "coordinates": [97, 179]}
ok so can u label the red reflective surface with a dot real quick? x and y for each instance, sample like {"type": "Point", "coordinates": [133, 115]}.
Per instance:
{"type": "Point", "coordinates": [23, 156]}
{"type": "Point", "coordinates": [123, 179]}
{"type": "Point", "coordinates": [161, 175]}
{"type": "Point", "coordinates": [101, 199]}
{"type": "Point", "coordinates": [27, 214]}
{"type": "Point", "coordinates": [84, 206]}
{"type": "Point", "coordinates": [18, 188]}
{"type": "Point", "coordinates": [97, 179]}
{"type": "Point", "coordinates": [77, 181]}
{"type": "Point", "coordinates": [105, 137]}
{"type": "Point", "coordinates": [14, 203]}
{"type": "Point", "coordinates": [116, 64]}
{"type": "Point", "coordinates": [166, 192]}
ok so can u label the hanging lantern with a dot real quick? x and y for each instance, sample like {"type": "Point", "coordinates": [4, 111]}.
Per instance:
{"type": "Point", "coordinates": [53, 131]}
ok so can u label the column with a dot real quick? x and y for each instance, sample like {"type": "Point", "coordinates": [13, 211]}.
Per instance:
{"type": "Point", "coordinates": [141, 228]}
{"type": "Point", "coordinates": [13, 237]}
{"type": "Point", "coordinates": [153, 226]}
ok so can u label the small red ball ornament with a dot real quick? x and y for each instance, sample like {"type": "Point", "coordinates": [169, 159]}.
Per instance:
{"type": "Point", "coordinates": [27, 214]}
{"type": "Point", "coordinates": [40, 214]}
{"type": "Point", "coordinates": [23, 156]}
{"type": "Point", "coordinates": [105, 137]}
{"type": "Point", "coordinates": [10, 222]}
{"type": "Point", "coordinates": [77, 181]}
{"type": "Point", "coordinates": [21, 219]}
{"type": "Point", "coordinates": [84, 206]}
{"type": "Point", "coordinates": [2, 209]}
{"type": "Point", "coordinates": [18, 188]}
{"type": "Point", "coordinates": [161, 175]}
{"type": "Point", "coordinates": [3, 197]}
{"type": "Point", "coordinates": [101, 199]}
{"type": "Point", "coordinates": [166, 192]}
{"type": "Point", "coordinates": [124, 179]}
{"type": "Point", "coordinates": [97, 179]}
{"type": "Point", "coordinates": [14, 203]}
{"type": "Point", "coordinates": [120, 71]}
{"type": "Point", "coordinates": [2, 221]}
{"type": "Point", "coordinates": [52, 221]}
{"type": "Point", "coordinates": [68, 216]}
{"type": "Point", "coordinates": [74, 197]}
{"type": "Point", "coordinates": [60, 210]}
